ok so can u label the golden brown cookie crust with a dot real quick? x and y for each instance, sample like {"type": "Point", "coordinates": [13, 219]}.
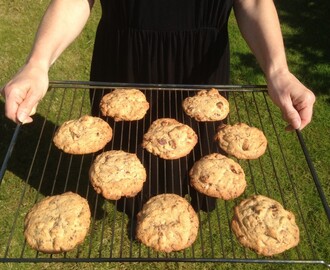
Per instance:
{"type": "Point", "coordinates": [241, 141]}
{"type": "Point", "coordinates": [218, 176]}
{"type": "Point", "coordinates": [85, 135]}
{"type": "Point", "coordinates": [169, 139]}
{"type": "Point", "coordinates": [262, 224]}
{"type": "Point", "coordinates": [57, 223]}
{"type": "Point", "coordinates": [206, 105]}
{"type": "Point", "coordinates": [116, 173]}
{"type": "Point", "coordinates": [124, 104]}
{"type": "Point", "coordinates": [167, 222]}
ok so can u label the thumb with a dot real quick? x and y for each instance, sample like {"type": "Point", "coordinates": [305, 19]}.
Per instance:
{"type": "Point", "coordinates": [26, 109]}
{"type": "Point", "coordinates": [291, 115]}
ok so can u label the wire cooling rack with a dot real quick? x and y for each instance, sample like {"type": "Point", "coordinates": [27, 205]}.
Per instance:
{"type": "Point", "coordinates": [35, 168]}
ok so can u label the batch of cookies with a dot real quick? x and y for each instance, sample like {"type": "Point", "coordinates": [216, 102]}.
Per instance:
{"type": "Point", "coordinates": [166, 222]}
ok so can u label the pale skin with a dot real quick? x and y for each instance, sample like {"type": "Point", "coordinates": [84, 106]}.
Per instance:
{"type": "Point", "coordinates": [266, 42]}
{"type": "Point", "coordinates": [65, 19]}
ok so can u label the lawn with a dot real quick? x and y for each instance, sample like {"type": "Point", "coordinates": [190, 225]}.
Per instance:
{"type": "Point", "coordinates": [307, 39]}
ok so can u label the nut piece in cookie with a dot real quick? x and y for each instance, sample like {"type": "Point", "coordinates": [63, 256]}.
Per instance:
{"type": "Point", "coordinates": [262, 224]}
{"type": "Point", "coordinates": [124, 105]}
{"type": "Point", "coordinates": [218, 176]}
{"type": "Point", "coordinates": [169, 139]}
{"type": "Point", "coordinates": [57, 223]}
{"type": "Point", "coordinates": [85, 135]}
{"type": "Point", "coordinates": [241, 141]}
{"type": "Point", "coordinates": [116, 173]}
{"type": "Point", "coordinates": [167, 222]}
{"type": "Point", "coordinates": [206, 105]}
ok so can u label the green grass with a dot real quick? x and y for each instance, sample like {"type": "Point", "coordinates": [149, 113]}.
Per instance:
{"type": "Point", "coordinates": [306, 38]}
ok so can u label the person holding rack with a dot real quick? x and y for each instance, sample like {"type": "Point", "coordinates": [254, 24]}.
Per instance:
{"type": "Point", "coordinates": [163, 42]}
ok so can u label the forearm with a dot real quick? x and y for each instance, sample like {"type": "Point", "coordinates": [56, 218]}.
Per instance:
{"type": "Point", "coordinates": [259, 25]}
{"type": "Point", "coordinates": [62, 23]}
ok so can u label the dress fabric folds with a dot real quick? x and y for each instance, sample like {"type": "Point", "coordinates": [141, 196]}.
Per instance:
{"type": "Point", "coordinates": [162, 41]}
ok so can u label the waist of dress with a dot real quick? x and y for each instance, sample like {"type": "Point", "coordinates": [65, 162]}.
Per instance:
{"type": "Point", "coordinates": [192, 31]}
{"type": "Point", "coordinates": [127, 28]}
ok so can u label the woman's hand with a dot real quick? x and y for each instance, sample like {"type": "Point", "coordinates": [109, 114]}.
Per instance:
{"type": "Point", "coordinates": [61, 24]}
{"type": "Point", "coordinates": [292, 97]}
{"type": "Point", "coordinates": [23, 93]}
{"type": "Point", "coordinates": [260, 26]}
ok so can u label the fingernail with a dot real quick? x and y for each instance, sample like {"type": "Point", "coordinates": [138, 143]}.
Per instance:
{"type": "Point", "coordinates": [296, 123]}
{"type": "Point", "coordinates": [21, 117]}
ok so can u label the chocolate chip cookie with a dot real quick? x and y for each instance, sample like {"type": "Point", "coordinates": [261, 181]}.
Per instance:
{"type": "Point", "coordinates": [167, 222]}
{"type": "Point", "coordinates": [262, 224]}
{"type": "Point", "coordinates": [57, 223]}
{"type": "Point", "coordinates": [206, 105]}
{"type": "Point", "coordinates": [116, 173]}
{"type": "Point", "coordinates": [169, 139]}
{"type": "Point", "coordinates": [218, 176]}
{"type": "Point", "coordinates": [124, 104]}
{"type": "Point", "coordinates": [241, 141]}
{"type": "Point", "coordinates": [85, 135]}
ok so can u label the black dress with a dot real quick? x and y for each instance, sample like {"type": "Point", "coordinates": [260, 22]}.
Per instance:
{"type": "Point", "coordinates": [161, 41]}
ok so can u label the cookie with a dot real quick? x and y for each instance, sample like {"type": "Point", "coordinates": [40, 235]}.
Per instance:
{"type": "Point", "coordinates": [57, 223]}
{"type": "Point", "coordinates": [167, 222]}
{"type": "Point", "coordinates": [206, 105]}
{"type": "Point", "coordinates": [116, 173]}
{"type": "Point", "coordinates": [124, 104]}
{"type": "Point", "coordinates": [169, 139]}
{"type": "Point", "coordinates": [85, 135]}
{"type": "Point", "coordinates": [241, 141]}
{"type": "Point", "coordinates": [218, 176]}
{"type": "Point", "coordinates": [262, 224]}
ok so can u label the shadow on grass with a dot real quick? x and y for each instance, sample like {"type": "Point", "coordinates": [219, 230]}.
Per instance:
{"type": "Point", "coordinates": [46, 169]}
{"type": "Point", "coordinates": [308, 45]}
{"type": "Point", "coordinates": [36, 161]}
{"type": "Point", "coordinates": [311, 20]}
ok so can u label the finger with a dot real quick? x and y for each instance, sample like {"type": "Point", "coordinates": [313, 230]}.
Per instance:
{"type": "Point", "coordinates": [26, 109]}
{"type": "Point", "coordinates": [10, 110]}
{"type": "Point", "coordinates": [11, 104]}
{"type": "Point", "coordinates": [306, 116]}
{"type": "Point", "coordinates": [29, 118]}
{"type": "Point", "coordinates": [291, 115]}
{"type": "Point", "coordinates": [305, 109]}
{"type": "Point", "coordinates": [34, 110]}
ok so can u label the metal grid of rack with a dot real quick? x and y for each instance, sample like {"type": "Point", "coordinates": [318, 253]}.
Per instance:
{"type": "Point", "coordinates": [48, 171]}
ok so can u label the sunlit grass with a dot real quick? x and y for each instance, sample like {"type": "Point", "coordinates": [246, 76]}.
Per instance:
{"type": "Point", "coordinates": [18, 22]}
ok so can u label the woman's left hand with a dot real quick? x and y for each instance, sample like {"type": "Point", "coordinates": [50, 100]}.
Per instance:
{"type": "Point", "coordinates": [292, 97]}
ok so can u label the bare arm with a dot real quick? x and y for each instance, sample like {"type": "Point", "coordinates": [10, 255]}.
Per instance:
{"type": "Point", "coordinates": [62, 23]}
{"type": "Point", "coordinates": [259, 25]}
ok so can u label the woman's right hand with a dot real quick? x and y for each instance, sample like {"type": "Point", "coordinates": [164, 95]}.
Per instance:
{"type": "Point", "coordinates": [23, 93]}
{"type": "Point", "coordinates": [61, 24]}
